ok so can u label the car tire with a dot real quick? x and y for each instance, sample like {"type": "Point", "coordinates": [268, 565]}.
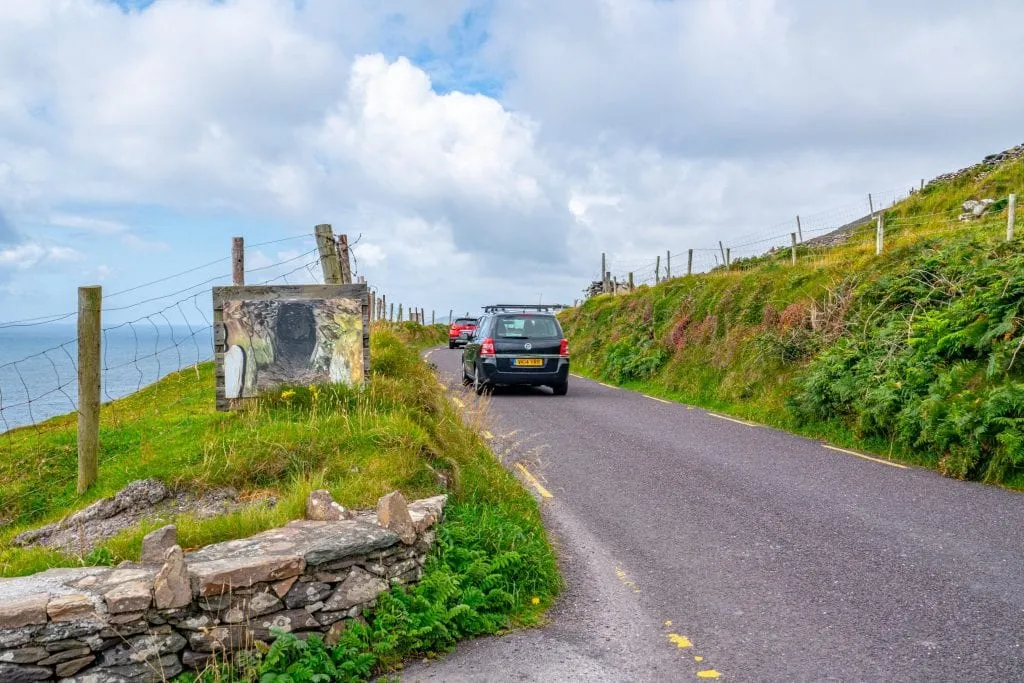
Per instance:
{"type": "Point", "coordinates": [560, 389]}
{"type": "Point", "coordinates": [451, 345]}
{"type": "Point", "coordinates": [466, 379]}
{"type": "Point", "coordinates": [478, 386]}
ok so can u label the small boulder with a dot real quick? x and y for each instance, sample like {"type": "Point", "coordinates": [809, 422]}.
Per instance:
{"type": "Point", "coordinates": [171, 587]}
{"type": "Point", "coordinates": [320, 506]}
{"type": "Point", "coordinates": [156, 544]}
{"type": "Point", "coordinates": [393, 514]}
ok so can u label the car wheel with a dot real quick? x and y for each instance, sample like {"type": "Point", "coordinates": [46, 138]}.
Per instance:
{"type": "Point", "coordinates": [478, 386]}
{"type": "Point", "coordinates": [560, 389]}
{"type": "Point", "coordinates": [451, 345]}
{"type": "Point", "coordinates": [466, 379]}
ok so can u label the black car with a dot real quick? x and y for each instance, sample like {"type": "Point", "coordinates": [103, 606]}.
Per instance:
{"type": "Point", "coordinates": [521, 345]}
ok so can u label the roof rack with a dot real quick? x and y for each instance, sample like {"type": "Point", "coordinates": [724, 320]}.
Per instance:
{"type": "Point", "coordinates": [506, 308]}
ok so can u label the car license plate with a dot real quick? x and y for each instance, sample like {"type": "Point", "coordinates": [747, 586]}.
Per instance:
{"type": "Point", "coordinates": [529, 362]}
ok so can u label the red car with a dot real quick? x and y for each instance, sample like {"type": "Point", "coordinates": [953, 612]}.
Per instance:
{"type": "Point", "coordinates": [458, 327]}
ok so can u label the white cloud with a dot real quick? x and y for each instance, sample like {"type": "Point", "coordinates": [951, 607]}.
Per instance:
{"type": "Point", "coordinates": [624, 126]}
{"type": "Point", "coordinates": [30, 254]}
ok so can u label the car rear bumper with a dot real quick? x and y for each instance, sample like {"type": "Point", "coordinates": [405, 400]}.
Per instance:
{"type": "Point", "coordinates": [455, 341]}
{"type": "Point", "coordinates": [492, 375]}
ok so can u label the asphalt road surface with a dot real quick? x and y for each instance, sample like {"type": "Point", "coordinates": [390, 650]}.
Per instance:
{"type": "Point", "coordinates": [699, 547]}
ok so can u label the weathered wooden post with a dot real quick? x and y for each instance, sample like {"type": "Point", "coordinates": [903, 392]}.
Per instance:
{"type": "Point", "coordinates": [799, 230]}
{"type": "Point", "coordinates": [689, 261]}
{"type": "Point", "coordinates": [1011, 210]}
{"type": "Point", "coordinates": [657, 269]}
{"type": "Point", "coordinates": [391, 317]}
{"type": "Point", "coordinates": [879, 235]}
{"type": "Point", "coordinates": [328, 254]}
{"type": "Point", "coordinates": [399, 312]}
{"type": "Point", "coordinates": [871, 204]}
{"type": "Point", "coordinates": [89, 303]}
{"type": "Point", "coordinates": [238, 261]}
{"type": "Point", "coordinates": [668, 265]}
{"type": "Point", "coordinates": [631, 281]}
{"type": "Point", "coordinates": [450, 318]}
{"type": "Point", "coordinates": [345, 262]}
{"type": "Point", "coordinates": [722, 250]}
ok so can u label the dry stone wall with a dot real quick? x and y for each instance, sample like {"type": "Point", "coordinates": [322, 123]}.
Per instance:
{"type": "Point", "coordinates": [151, 620]}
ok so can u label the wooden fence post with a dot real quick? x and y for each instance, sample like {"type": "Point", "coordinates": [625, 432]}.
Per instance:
{"type": "Point", "coordinates": [384, 306]}
{"type": "Point", "coordinates": [343, 258]}
{"type": "Point", "coordinates": [391, 317]}
{"type": "Point", "coordinates": [728, 257]}
{"type": "Point", "coordinates": [689, 261]}
{"type": "Point", "coordinates": [668, 265]}
{"type": "Point", "coordinates": [450, 318]}
{"type": "Point", "coordinates": [799, 230]}
{"type": "Point", "coordinates": [432, 320]}
{"type": "Point", "coordinates": [328, 254]}
{"type": "Point", "coordinates": [238, 261]}
{"type": "Point", "coordinates": [792, 237]}
{"type": "Point", "coordinates": [879, 235]}
{"type": "Point", "coordinates": [631, 281]}
{"type": "Point", "coordinates": [721, 249]}
{"type": "Point", "coordinates": [1011, 211]}
{"type": "Point", "coordinates": [89, 303]}
{"type": "Point", "coordinates": [657, 269]}
{"type": "Point", "coordinates": [871, 204]}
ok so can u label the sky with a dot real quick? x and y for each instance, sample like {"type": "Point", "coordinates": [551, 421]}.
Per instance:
{"type": "Point", "coordinates": [475, 151]}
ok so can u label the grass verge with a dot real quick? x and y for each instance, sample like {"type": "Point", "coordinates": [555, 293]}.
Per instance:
{"type": "Point", "coordinates": [914, 354]}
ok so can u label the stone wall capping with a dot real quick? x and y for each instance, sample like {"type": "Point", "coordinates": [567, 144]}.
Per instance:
{"type": "Point", "coordinates": [174, 610]}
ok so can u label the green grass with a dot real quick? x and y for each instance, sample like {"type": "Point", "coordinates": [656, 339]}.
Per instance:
{"type": "Point", "coordinates": [912, 355]}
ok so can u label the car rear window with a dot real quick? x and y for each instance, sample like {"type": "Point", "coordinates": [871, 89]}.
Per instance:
{"type": "Point", "coordinates": [526, 327]}
{"type": "Point", "coordinates": [465, 321]}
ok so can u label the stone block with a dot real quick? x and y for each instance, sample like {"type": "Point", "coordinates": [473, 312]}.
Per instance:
{"type": "Point", "coordinates": [172, 587]}
{"type": "Point", "coordinates": [281, 588]}
{"type": "Point", "coordinates": [25, 611]}
{"type": "Point", "coordinates": [222, 576]}
{"type": "Point", "coordinates": [73, 666]}
{"type": "Point", "coordinates": [130, 596]}
{"type": "Point", "coordinates": [71, 607]}
{"type": "Point", "coordinates": [359, 588]}
{"type": "Point", "coordinates": [393, 514]}
{"type": "Point", "coordinates": [303, 594]}
{"type": "Point", "coordinates": [22, 673]}
{"type": "Point", "coordinates": [65, 656]}
{"type": "Point", "coordinates": [25, 655]}
{"type": "Point", "coordinates": [320, 506]}
{"type": "Point", "coordinates": [142, 649]}
{"type": "Point", "coordinates": [155, 544]}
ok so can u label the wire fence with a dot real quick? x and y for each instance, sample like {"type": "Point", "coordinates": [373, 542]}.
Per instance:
{"type": "Point", "coordinates": [808, 239]}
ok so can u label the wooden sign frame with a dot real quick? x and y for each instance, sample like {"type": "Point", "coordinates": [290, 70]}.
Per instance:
{"type": "Point", "coordinates": [311, 294]}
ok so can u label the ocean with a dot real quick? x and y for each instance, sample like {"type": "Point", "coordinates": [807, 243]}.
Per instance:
{"type": "Point", "coordinates": [38, 365]}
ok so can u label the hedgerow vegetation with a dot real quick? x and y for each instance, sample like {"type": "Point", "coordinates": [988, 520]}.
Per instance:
{"type": "Point", "coordinates": [915, 354]}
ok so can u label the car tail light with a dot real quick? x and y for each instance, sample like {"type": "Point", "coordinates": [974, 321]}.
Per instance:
{"type": "Point", "coordinates": [487, 347]}
{"type": "Point", "coordinates": [563, 348]}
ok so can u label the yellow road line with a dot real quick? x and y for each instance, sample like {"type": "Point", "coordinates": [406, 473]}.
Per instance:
{"type": "Point", "coordinates": [458, 402]}
{"type": "Point", "coordinates": [732, 419]}
{"type": "Point", "coordinates": [607, 385]}
{"type": "Point", "coordinates": [659, 400]}
{"type": "Point", "coordinates": [578, 376]}
{"type": "Point", "coordinates": [544, 493]}
{"type": "Point", "coordinates": [866, 457]}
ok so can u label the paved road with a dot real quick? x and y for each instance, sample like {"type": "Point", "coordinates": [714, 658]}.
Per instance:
{"type": "Point", "coordinates": [769, 557]}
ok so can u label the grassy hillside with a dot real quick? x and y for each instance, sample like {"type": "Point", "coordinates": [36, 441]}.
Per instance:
{"type": "Point", "coordinates": [913, 354]}
{"type": "Point", "coordinates": [398, 433]}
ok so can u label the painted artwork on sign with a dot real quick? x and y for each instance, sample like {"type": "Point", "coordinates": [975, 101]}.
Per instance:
{"type": "Point", "coordinates": [274, 336]}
